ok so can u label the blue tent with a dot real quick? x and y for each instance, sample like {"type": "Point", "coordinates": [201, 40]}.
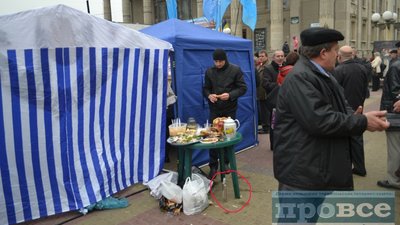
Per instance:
{"type": "Point", "coordinates": [193, 48]}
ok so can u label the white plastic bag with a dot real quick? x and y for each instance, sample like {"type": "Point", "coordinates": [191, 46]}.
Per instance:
{"type": "Point", "coordinates": [195, 198]}
{"type": "Point", "coordinates": [155, 183]}
{"type": "Point", "coordinates": [171, 191]}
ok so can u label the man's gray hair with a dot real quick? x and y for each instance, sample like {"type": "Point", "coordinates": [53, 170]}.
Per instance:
{"type": "Point", "coordinates": [314, 51]}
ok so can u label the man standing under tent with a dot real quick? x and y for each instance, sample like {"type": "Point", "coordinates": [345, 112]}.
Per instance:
{"type": "Point", "coordinates": [223, 85]}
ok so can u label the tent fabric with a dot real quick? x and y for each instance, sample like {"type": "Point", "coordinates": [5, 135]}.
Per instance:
{"type": "Point", "coordinates": [81, 116]}
{"type": "Point", "coordinates": [193, 48]}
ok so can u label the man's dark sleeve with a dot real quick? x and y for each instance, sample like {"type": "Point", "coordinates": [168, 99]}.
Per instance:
{"type": "Point", "coordinates": [241, 86]}
{"type": "Point", "coordinates": [394, 80]}
{"type": "Point", "coordinates": [207, 85]}
{"type": "Point", "coordinates": [268, 81]}
{"type": "Point", "coordinates": [257, 78]}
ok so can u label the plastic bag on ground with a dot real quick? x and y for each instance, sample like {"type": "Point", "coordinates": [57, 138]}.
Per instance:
{"type": "Point", "coordinates": [107, 203]}
{"type": "Point", "coordinates": [195, 198]}
{"type": "Point", "coordinates": [171, 191]}
{"type": "Point", "coordinates": [201, 174]}
{"type": "Point", "coordinates": [154, 184]}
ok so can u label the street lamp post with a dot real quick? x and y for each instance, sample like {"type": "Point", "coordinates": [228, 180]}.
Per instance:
{"type": "Point", "coordinates": [388, 18]}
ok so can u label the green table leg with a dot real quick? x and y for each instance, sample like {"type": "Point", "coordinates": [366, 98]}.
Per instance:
{"type": "Point", "coordinates": [181, 161]}
{"type": "Point", "coordinates": [222, 162]}
{"type": "Point", "coordinates": [232, 161]}
{"type": "Point", "coordinates": [187, 164]}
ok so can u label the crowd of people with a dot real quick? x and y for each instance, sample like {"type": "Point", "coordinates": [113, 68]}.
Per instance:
{"type": "Point", "coordinates": [315, 114]}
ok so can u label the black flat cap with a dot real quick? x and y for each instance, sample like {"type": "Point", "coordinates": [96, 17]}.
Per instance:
{"type": "Point", "coordinates": [219, 54]}
{"type": "Point", "coordinates": [318, 35]}
{"type": "Point", "coordinates": [397, 44]}
{"type": "Point", "coordinates": [393, 51]}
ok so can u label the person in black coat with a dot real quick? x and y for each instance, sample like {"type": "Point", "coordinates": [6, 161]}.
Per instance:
{"type": "Point", "coordinates": [353, 77]}
{"type": "Point", "coordinates": [390, 101]}
{"type": "Point", "coordinates": [269, 83]}
{"type": "Point", "coordinates": [312, 149]}
{"type": "Point", "coordinates": [223, 85]}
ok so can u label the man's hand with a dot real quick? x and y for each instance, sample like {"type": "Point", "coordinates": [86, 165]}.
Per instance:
{"type": "Point", "coordinates": [396, 106]}
{"type": "Point", "coordinates": [377, 121]}
{"type": "Point", "coordinates": [224, 96]}
{"type": "Point", "coordinates": [213, 98]}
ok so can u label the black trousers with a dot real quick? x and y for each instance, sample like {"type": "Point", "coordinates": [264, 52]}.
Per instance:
{"type": "Point", "coordinates": [357, 153]}
{"type": "Point", "coordinates": [170, 116]}
{"type": "Point", "coordinates": [213, 153]}
{"type": "Point", "coordinates": [376, 82]}
{"type": "Point", "coordinates": [263, 115]}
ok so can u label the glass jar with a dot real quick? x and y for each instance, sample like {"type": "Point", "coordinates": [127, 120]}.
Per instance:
{"type": "Point", "coordinates": [191, 124]}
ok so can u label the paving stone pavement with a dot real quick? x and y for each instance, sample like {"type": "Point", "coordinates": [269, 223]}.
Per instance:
{"type": "Point", "coordinates": [255, 165]}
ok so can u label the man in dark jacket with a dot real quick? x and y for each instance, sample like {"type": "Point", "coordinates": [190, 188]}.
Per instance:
{"type": "Point", "coordinates": [353, 77]}
{"type": "Point", "coordinates": [269, 83]}
{"type": "Point", "coordinates": [367, 66]}
{"type": "Point", "coordinates": [223, 85]}
{"type": "Point", "coordinates": [314, 124]}
{"type": "Point", "coordinates": [390, 101]}
{"type": "Point", "coordinates": [263, 113]}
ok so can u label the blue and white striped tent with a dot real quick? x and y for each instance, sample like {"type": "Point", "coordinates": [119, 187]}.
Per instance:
{"type": "Point", "coordinates": [81, 110]}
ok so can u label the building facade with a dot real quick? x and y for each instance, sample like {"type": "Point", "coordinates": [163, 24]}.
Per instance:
{"type": "Point", "coordinates": [281, 20]}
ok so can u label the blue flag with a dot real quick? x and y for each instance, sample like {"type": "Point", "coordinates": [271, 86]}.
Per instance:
{"type": "Point", "coordinates": [214, 10]}
{"type": "Point", "coordinates": [249, 16]}
{"type": "Point", "coordinates": [171, 8]}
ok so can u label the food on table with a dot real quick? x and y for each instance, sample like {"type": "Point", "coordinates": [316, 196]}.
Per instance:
{"type": "Point", "coordinates": [209, 140]}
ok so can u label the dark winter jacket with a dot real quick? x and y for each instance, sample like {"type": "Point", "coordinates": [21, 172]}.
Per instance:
{"type": "Point", "coordinates": [391, 87]}
{"type": "Point", "coordinates": [353, 77]}
{"type": "Point", "coordinates": [270, 76]}
{"type": "Point", "coordinates": [313, 130]}
{"type": "Point", "coordinates": [228, 79]}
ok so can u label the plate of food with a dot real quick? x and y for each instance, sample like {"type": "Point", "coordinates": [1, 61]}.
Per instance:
{"type": "Point", "coordinates": [184, 139]}
{"type": "Point", "coordinates": [209, 140]}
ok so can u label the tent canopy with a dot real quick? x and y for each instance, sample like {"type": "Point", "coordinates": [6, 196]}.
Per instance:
{"type": "Point", "coordinates": [62, 26]}
{"type": "Point", "coordinates": [81, 110]}
{"type": "Point", "coordinates": [193, 46]}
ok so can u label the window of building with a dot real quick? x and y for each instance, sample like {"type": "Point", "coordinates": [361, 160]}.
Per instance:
{"type": "Point", "coordinates": [160, 9]}
{"type": "Point", "coordinates": [364, 31]}
{"type": "Point", "coordinates": [353, 31]}
{"type": "Point", "coordinates": [285, 4]}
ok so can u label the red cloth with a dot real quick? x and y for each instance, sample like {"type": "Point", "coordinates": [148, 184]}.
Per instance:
{"type": "Point", "coordinates": [283, 71]}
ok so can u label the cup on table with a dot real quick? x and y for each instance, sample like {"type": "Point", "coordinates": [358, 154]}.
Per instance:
{"type": "Point", "coordinates": [175, 129]}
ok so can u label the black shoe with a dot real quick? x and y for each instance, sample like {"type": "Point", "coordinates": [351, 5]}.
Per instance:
{"type": "Point", "coordinates": [359, 173]}
{"type": "Point", "coordinates": [211, 174]}
{"type": "Point", "coordinates": [386, 184]}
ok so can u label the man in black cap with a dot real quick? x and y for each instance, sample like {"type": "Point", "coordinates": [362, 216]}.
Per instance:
{"type": "Point", "coordinates": [393, 56]}
{"type": "Point", "coordinates": [314, 124]}
{"type": "Point", "coordinates": [390, 101]}
{"type": "Point", "coordinates": [223, 85]}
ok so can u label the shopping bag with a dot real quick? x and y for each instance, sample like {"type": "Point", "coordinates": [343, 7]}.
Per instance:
{"type": "Point", "coordinates": [171, 191]}
{"type": "Point", "coordinates": [194, 193]}
{"type": "Point", "coordinates": [155, 183]}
